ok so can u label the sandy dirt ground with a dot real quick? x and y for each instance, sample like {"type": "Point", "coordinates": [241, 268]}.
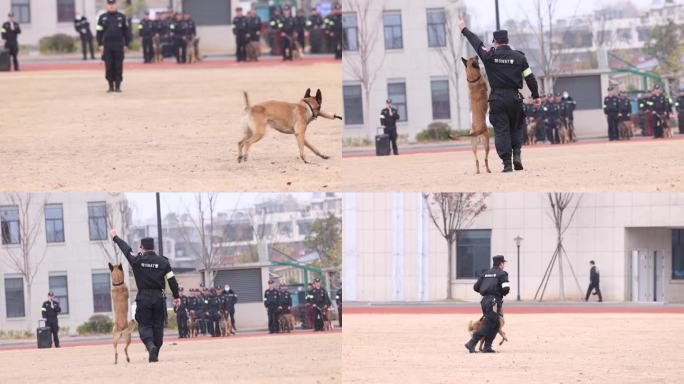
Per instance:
{"type": "Point", "coordinates": [303, 358]}
{"type": "Point", "coordinates": [624, 166]}
{"type": "Point", "coordinates": [170, 130]}
{"type": "Point", "coordinates": [542, 348]}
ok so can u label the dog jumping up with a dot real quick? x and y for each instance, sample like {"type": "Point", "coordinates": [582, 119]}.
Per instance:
{"type": "Point", "coordinates": [284, 117]}
{"type": "Point", "coordinates": [477, 88]}
{"type": "Point", "coordinates": [122, 326]}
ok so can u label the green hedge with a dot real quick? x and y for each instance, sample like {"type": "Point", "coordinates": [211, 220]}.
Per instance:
{"type": "Point", "coordinates": [436, 131]}
{"type": "Point", "coordinates": [96, 324]}
{"type": "Point", "coordinates": [59, 43]}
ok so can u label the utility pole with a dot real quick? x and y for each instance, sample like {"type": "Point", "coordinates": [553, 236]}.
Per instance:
{"type": "Point", "coordinates": [496, 5]}
{"type": "Point", "coordinates": [159, 228]}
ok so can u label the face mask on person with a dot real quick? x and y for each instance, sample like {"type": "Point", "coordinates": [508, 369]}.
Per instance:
{"type": "Point", "coordinates": [226, 288]}
{"type": "Point", "coordinates": [565, 95]}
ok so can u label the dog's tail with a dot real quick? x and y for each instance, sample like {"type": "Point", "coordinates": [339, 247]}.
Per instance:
{"type": "Point", "coordinates": [246, 100]}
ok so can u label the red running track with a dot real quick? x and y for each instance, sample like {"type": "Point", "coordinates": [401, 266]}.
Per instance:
{"type": "Point", "coordinates": [519, 309]}
{"type": "Point", "coordinates": [136, 340]}
{"type": "Point", "coordinates": [99, 66]}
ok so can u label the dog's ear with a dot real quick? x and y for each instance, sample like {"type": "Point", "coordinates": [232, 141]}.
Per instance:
{"type": "Point", "coordinates": [120, 267]}
{"type": "Point", "coordinates": [111, 267]}
{"type": "Point", "coordinates": [308, 93]}
{"type": "Point", "coordinates": [465, 62]}
{"type": "Point", "coordinates": [319, 97]}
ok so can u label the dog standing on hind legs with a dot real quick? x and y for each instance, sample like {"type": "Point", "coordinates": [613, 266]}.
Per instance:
{"type": "Point", "coordinates": [477, 89]}
{"type": "Point", "coordinates": [122, 327]}
{"type": "Point", "coordinates": [284, 117]}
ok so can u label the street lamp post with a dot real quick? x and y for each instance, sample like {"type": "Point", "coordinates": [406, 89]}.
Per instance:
{"type": "Point", "coordinates": [518, 241]}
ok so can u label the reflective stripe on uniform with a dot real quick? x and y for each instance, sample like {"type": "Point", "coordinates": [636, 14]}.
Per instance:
{"type": "Point", "coordinates": [43, 309]}
{"type": "Point", "coordinates": [505, 285]}
{"type": "Point", "coordinates": [169, 275]}
{"type": "Point", "coordinates": [3, 30]}
{"type": "Point", "coordinates": [527, 72]}
{"type": "Point", "coordinates": [99, 28]}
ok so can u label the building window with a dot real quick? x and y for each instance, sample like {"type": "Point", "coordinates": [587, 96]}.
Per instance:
{"type": "Point", "coordinates": [66, 11]}
{"type": "Point", "coordinates": [102, 297]}
{"type": "Point", "coordinates": [9, 225]}
{"type": "Point", "coordinates": [436, 24]}
{"type": "Point", "coordinates": [441, 105]}
{"type": "Point", "coordinates": [678, 254]}
{"type": "Point", "coordinates": [285, 228]}
{"type": "Point", "coordinates": [397, 92]}
{"type": "Point", "coordinates": [644, 34]}
{"type": "Point", "coordinates": [304, 227]}
{"type": "Point", "coordinates": [351, 32]}
{"type": "Point", "coordinates": [353, 104]}
{"type": "Point", "coordinates": [472, 253]}
{"type": "Point", "coordinates": [58, 286]}
{"type": "Point", "coordinates": [97, 221]}
{"type": "Point", "coordinates": [22, 10]}
{"type": "Point", "coordinates": [54, 223]}
{"type": "Point", "coordinates": [393, 36]}
{"type": "Point", "coordinates": [14, 296]}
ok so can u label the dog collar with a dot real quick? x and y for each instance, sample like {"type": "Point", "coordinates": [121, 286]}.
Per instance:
{"type": "Point", "coordinates": [313, 113]}
{"type": "Point", "coordinates": [117, 284]}
{"type": "Point", "coordinates": [476, 80]}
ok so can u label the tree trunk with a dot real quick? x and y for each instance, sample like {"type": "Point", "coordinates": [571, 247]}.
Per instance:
{"type": "Point", "coordinates": [450, 294]}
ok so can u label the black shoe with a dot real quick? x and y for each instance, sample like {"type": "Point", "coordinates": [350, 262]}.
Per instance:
{"type": "Point", "coordinates": [488, 350]}
{"type": "Point", "coordinates": [600, 300]}
{"type": "Point", "coordinates": [111, 88]}
{"type": "Point", "coordinates": [153, 354]}
{"type": "Point", "coordinates": [470, 346]}
{"type": "Point", "coordinates": [507, 167]}
{"type": "Point", "coordinates": [517, 162]}
{"type": "Point", "coordinates": [117, 88]}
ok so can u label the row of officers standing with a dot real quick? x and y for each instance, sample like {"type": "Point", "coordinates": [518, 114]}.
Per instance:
{"type": "Point", "coordinates": [207, 305]}
{"type": "Point", "coordinates": [279, 302]}
{"type": "Point", "coordinates": [553, 114]}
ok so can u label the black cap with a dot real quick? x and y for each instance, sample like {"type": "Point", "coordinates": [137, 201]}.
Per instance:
{"type": "Point", "coordinates": [501, 35]}
{"type": "Point", "coordinates": [111, 1]}
{"type": "Point", "coordinates": [239, 9]}
{"type": "Point", "coordinates": [657, 86]}
{"type": "Point", "coordinates": [389, 101]}
{"type": "Point", "coordinates": [498, 259]}
{"type": "Point", "coordinates": [180, 289]}
{"type": "Point", "coordinates": [317, 280]}
{"type": "Point", "coordinates": [337, 6]}
{"type": "Point", "coordinates": [270, 281]}
{"type": "Point", "coordinates": [610, 88]}
{"type": "Point", "coordinates": [147, 243]}
{"type": "Point", "coordinates": [51, 293]}
{"type": "Point", "coordinates": [10, 14]}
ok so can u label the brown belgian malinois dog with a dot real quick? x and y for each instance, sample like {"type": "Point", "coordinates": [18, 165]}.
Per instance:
{"type": "Point", "coordinates": [479, 104]}
{"type": "Point", "coordinates": [289, 118]}
{"type": "Point", "coordinates": [474, 326]}
{"type": "Point", "coordinates": [122, 327]}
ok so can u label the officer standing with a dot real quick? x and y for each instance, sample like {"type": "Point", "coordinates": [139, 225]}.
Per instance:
{"type": "Point", "coordinates": [82, 26]}
{"type": "Point", "coordinates": [146, 31]}
{"type": "Point", "coordinates": [506, 69]}
{"type": "Point", "coordinates": [493, 285]}
{"type": "Point", "coordinates": [388, 120]}
{"type": "Point", "coordinates": [560, 112]}
{"type": "Point", "coordinates": [113, 37]}
{"type": "Point", "coordinates": [662, 107]}
{"type": "Point", "coordinates": [242, 34]}
{"type": "Point", "coordinates": [314, 26]}
{"type": "Point", "coordinates": [150, 271]}
{"type": "Point", "coordinates": [177, 28]}
{"type": "Point", "coordinates": [624, 109]}
{"type": "Point", "coordinates": [214, 307]}
{"type": "Point", "coordinates": [594, 278]}
{"type": "Point", "coordinates": [203, 311]}
{"type": "Point", "coordinates": [275, 25]}
{"type": "Point", "coordinates": [231, 300]}
{"type": "Point", "coordinates": [309, 306]}
{"type": "Point", "coordinates": [680, 110]}
{"type": "Point", "coordinates": [182, 314]}
{"type": "Point", "coordinates": [287, 29]}
{"type": "Point", "coordinates": [338, 300]}
{"type": "Point", "coordinates": [271, 302]}
{"type": "Point", "coordinates": [611, 110]}
{"type": "Point", "coordinates": [285, 302]}
{"type": "Point", "coordinates": [570, 105]}
{"type": "Point", "coordinates": [9, 32]}
{"type": "Point", "coordinates": [300, 28]}
{"type": "Point", "coordinates": [50, 309]}
{"type": "Point", "coordinates": [334, 30]}
{"type": "Point", "coordinates": [321, 302]}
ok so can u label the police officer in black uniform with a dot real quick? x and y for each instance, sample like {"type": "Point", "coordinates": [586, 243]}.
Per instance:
{"type": "Point", "coordinates": [594, 281]}
{"type": "Point", "coordinates": [570, 105]}
{"type": "Point", "coordinates": [338, 300]}
{"type": "Point", "coordinates": [146, 31]}
{"type": "Point", "coordinates": [150, 271]}
{"type": "Point", "coordinates": [50, 309]}
{"type": "Point", "coordinates": [662, 107]}
{"type": "Point", "coordinates": [334, 30]}
{"type": "Point", "coordinates": [203, 311]}
{"type": "Point", "coordinates": [214, 307]}
{"type": "Point", "coordinates": [314, 25]}
{"type": "Point", "coordinates": [506, 69]}
{"type": "Point", "coordinates": [177, 28]}
{"type": "Point", "coordinates": [254, 27]}
{"type": "Point", "coordinates": [300, 28]}
{"type": "Point", "coordinates": [287, 30]}
{"type": "Point", "coordinates": [680, 110]}
{"type": "Point", "coordinates": [388, 120]}
{"type": "Point", "coordinates": [9, 32]}
{"type": "Point", "coordinates": [182, 314]}
{"type": "Point", "coordinates": [321, 302]}
{"type": "Point", "coordinates": [113, 37]}
{"type": "Point", "coordinates": [271, 302]}
{"type": "Point", "coordinates": [82, 26]}
{"type": "Point", "coordinates": [624, 109]}
{"type": "Point", "coordinates": [611, 108]}
{"type": "Point", "coordinates": [493, 285]}
{"type": "Point", "coordinates": [242, 34]}
{"type": "Point", "coordinates": [231, 300]}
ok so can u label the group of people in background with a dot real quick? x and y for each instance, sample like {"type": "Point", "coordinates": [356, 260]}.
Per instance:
{"type": "Point", "coordinates": [552, 122]}
{"type": "Point", "coordinates": [170, 34]}
{"type": "Point", "coordinates": [206, 306]}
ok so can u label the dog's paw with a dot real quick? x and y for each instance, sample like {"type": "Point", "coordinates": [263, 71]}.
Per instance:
{"type": "Point", "coordinates": [324, 157]}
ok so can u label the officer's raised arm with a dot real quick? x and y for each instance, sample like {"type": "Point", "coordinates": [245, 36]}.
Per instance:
{"type": "Point", "coordinates": [475, 41]}
{"type": "Point", "coordinates": [123, 246]}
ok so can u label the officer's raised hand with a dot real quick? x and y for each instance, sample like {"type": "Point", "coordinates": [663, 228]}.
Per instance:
{"type": "Point", "coordinates": [461, 23]}
{"type": "Point", "coordinates": [113, 232]}
{"type": "Point", "coordinates": [536, 102]}
{"type": "Point", "coordinates": [176, 302]}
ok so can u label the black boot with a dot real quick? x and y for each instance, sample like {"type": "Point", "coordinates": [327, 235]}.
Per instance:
{"type": "Point", "coordinates": [488, 349]}
{"type": "Point", "coordinates": [470, 345]}
{"type": "Point", "coordinates": [153, 353]}
{"type": "Point", "coordinates": [517, 161]}
{"type": "Point", "coordinates": [508, 167]}
{"type": "Point", "coordinates": [118, 87]}
{"type": "Point", "coordinates": [111, 87]}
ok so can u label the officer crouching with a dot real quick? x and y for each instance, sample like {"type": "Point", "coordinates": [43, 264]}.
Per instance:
{"type": "Point", "coordinates": [493, 285]}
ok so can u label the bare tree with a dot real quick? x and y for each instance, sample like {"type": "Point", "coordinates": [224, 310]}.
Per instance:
{"type": "Point", "coordinates": [558, 204]}
{"type": "Point", "coordinates": [451, 212]}
{"type": "Point", "coordinates": [365, 65]}
{"type": "Point", "coordinates": [23, 259]}
{"type": "Point", "coordinates": [118, 215]}
{"type": "Point", "coordinates": [450, 54]}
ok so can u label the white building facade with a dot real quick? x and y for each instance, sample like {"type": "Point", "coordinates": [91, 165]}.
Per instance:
{"type": "Point", "coordinates": [70, 231]}
{"type": "Point", "coordinates": [393, 251]}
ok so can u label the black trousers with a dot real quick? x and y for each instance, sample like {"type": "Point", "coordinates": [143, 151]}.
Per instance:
{"type": "Point", "coordinates": [148, 49]}
{"type": "Point", "coordinates": [339, 314]}
{"type": "Point", "coordinates": [113, 57]}
{"type": "Point", "coordinates": [681, 122]}
{"type": "Point", "coordinates": [318, 318]}
{"type": "Point", "coordinates": [13, 51]}
{"type": "Point", "coordinates": [87, 46]}
{"type": "Point", "coordinates": [392, 133]}
{"type": "Point", "coordinates": [490, 325]}
{"type": "Point", "coordinates": [182, 320]}
{"type": "Point", "coordinates": [150, 314]}
{"type": "Point", "coordinates": [241, 42]}
{"type": "Point", "coordinates": [273, 319]}
{"type": "Point", "coordinates": [54, 329]}
{"type": "Point", "coordinates": [336, 42]}
{"type": "Point", "coordinates": [506, 115]}
{"type": "Point", "coordinates": [214, 324]}
{"type": "Point", "coordinates": [180, 49]}
{"type": "Point", "coordinates": [231, 313]}
{"type": "Point", "coordinates": [287, 47]}
{"type": "Point", "coordinates": [593, 286]}
{"type": "Point", "coordinates": [202, 319]}
{"type": "Point", "coordinates": [613, 133]}
{"type": "Point", "coordinates": [659, 121]}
